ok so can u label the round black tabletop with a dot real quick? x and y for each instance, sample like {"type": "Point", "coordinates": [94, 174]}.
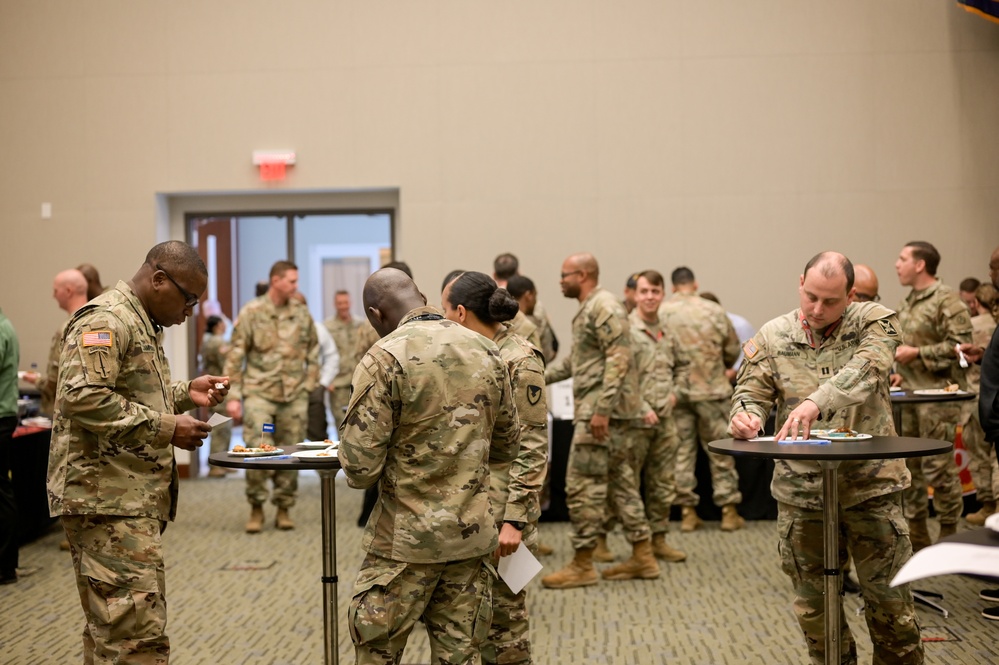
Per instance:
{"type": "Point", "coordinates": [271, 464]}
{"type": "Point", "coordinates": [910, 397]}
{"type": "Point", "coordinates": [878, 447]}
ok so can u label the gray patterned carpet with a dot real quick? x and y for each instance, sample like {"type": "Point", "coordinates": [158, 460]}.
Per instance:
{"type": "Point", "coordinates": [728, 604]}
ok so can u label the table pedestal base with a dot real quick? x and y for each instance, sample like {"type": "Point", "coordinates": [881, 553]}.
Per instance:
{"type": "Point", "coordinates": [830, 558]}
{"type": "Point", "coordinates": [330, 614]}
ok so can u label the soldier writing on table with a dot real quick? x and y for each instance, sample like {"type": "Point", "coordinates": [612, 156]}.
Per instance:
{"type": "Point", "coordinates": [431, 407]}
{"type": "Point", "coordinates": [829, 361]}
{"type": "Point", "coordinates": [112, 475]}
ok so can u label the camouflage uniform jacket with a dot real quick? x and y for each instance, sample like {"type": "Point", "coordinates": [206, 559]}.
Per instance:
{"type": "Point", "coordinates": [515, 489]}
{"type": "Point", "coordinates": [654, 359]}
{"type": "Point", "coordinates": [366, 338]}
{"type": "Point", "coordinates": [431, 407]}
{"type": "Point", "coordinates": [526, 328]}
{"type": "Point", "coordinates": [846, 377]}
{"type": "Point", "coordinates": [280, 349]}
{"type": "Point", "coordinates": [600, 361]}
{"type": "Point", "coordinates": [47, 384]}
{"type": "Point", "coordinates": [213, 352]}
{"type": "Point", "coordinates": [545, 332]}
{"type": "Point", "coordinates": [934, 320]}
{"type": "Point", "coordinates": [706, 345]}
{"type": "Point", "coordinates": [111, 448]}
{"type": "Point", "coordinates": [345, 334]}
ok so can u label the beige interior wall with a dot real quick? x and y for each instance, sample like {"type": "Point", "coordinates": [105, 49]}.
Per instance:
{"type": "Point", "coordinates": [735, 137]}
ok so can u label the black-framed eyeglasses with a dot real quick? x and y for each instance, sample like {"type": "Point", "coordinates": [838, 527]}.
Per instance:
{"type": "Point", "coordinates": [863, 297]}
{"type": "Point", "coordinates": [190, 300]}
{"type": "Point", "coordinates": [571, 272]}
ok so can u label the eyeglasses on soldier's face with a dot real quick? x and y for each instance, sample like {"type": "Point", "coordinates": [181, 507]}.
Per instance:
{"type": "Point", "coordinates": [190, 299]}
{"type": "Point", "coordinates": [863, 297]}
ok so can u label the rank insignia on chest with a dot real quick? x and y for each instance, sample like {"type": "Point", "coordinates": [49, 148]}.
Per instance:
{"type": "Point", "coordinates": [97, 338]}
{"type": "Point", "coordinates": [533, 394]}
{"type": "Point", "coordinates": [888, 327]}
{"type": "Point", "coordinates": [750, 349]}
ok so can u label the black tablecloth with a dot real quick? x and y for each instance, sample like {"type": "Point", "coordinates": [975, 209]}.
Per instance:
{"type": "Point", "coordinates": [29, 464]}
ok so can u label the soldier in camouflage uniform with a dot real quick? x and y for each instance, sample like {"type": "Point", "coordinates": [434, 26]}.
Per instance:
{"type": "Point", "coordinates": [934, 321]}
{"type": "Point", "coordinates": [69, 288]}
{"type": "Point", "coordinates": [473, 300]}
{"type": "Point", "coordinates": [112, 476]}
{"type": "Point", "coordinates": [707, 344]}
{"type": "Point", "coordinates": [600, 461]}
{"type": "Point", "coordinates": [275, 338]}
{"type": "Point", "coordinates": [656, 442]}
{"type": "Point", "coordinates": [344, 329]}
{"type": "Point", "coordinates": [507, 267]}
{"type": "Point", "coordinates": [213, 352]}
{"type": "Point", "coordinates": [431, 408]}
{"type": "Point", "coordinates": [831, 360]}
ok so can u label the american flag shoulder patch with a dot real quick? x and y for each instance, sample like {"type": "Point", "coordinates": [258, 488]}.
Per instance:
{"type": "Point", "coordinates": [97, 338]}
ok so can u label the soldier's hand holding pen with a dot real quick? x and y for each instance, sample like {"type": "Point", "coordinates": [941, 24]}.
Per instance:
{"type": "Point", "coordinates": [190, 432]}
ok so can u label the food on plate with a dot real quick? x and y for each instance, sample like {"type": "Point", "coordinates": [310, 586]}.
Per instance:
{"type": "Point", "coordinates": [243, 449]}
{"type": "Point", "coordinates": [952, 388]}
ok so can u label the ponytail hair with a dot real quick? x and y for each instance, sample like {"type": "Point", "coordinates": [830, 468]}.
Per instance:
{"type": "Point", "coordinates": [478, 293]}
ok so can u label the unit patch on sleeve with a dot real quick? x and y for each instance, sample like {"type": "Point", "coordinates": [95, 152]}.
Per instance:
{"type": "Point", "coordinates": [888, 327]}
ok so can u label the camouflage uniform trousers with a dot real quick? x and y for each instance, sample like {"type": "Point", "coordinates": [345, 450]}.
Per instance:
{"type": "Point", "coordinates": [933, 421]}
{"type": "Point", "coordinates": [453, 599]}
{"type": "Point", "coordinates": [706, 421]}
{"type": "Point", "coordinates": [653, 456]}
{"type": "Point", "coordinates": [339, 399]}
{"type": "Point", "coordinates": [509, 640]}
{"type": "Point", "coordinates": [602, 474]}
{"type": "Point", "coordinates": [981, 458]}
{"type": "Point", "coordinates": [289, 428]}
{"type": "Point", "coordinates": [877, 535]}
{"type": "Point", "coordinates": [221, 435]}
{"type": "Point", "coordinates": [119, 569]}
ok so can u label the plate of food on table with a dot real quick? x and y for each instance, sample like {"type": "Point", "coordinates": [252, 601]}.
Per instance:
{"type": "Point", "coordinates": [839, 434]}
{"type": "Point", "coordinates": [261, 451]}
{"type": "Point", "coordinates": [317, 444]}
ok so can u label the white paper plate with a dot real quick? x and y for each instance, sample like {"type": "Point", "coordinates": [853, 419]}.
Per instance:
{"type": "Point", "coordinates": [316, 456]}
{"type": "Point", "coordinates": [321, 445]}
{"type": "Point", "coordinates": [939, 391]}
{"type": "Point", "coordinates": [37, 422]}
{"type": "Point", "coordinates": [839, 436]}
{"type": "Point", "coordinates": [256, 452]}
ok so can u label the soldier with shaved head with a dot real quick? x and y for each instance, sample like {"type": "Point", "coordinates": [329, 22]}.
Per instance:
{"type": "Point", "coordinates": [431, 407]}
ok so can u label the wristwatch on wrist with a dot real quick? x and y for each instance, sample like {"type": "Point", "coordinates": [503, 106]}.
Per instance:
{"type": "Point", "coordinates": [519, 526]}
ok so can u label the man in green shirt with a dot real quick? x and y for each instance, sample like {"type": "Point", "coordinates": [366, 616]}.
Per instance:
{"type": "Point", "coordinates": [9, 356]}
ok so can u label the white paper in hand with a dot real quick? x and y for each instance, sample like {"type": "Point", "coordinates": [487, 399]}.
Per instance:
{"type": "Point", "coordinates": [217, 419]}
{"type": "Point", "coordinates": [519, 568]}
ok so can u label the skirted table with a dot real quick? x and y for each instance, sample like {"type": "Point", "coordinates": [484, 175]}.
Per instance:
{"type": "Point", "coordinates": [829, 456]}
{"type": "Point", "coordinates": [327, 468]}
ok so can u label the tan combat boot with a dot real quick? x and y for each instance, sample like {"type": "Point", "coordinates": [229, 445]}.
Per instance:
{"type": "Point", "coordinates": [545, 550]}
{"type": "Point", "coordinates": [283, 520]}
{"type": "Point", "coordinates": [690, 519]}
{"type": "Point", "coordinates": [731, 519]}
{"type": "Point", "coordinates": [256, 521]}
{"type": "Point", "coordinates": [947, 530]}
{"type": "Point", "coordinates": [641, 566]}
{"type": "Point", "coordinates": [919, 534]}
{"type": "Point", "coordinates": [217, 472]}
{"type": "Point", "coordinates": [663, 551]}
{"type": "Point", "coordinates": [579, 572]}
{"type": "Point", "coordinates": [601, 553]}
{"type": "Point", "coordinates": [978, 519]}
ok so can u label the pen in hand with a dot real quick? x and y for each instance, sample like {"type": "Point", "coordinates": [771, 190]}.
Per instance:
{"type": "Point", "coordinates": [742, 403]}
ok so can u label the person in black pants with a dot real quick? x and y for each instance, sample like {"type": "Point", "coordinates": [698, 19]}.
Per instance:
{"type": "Point", "coordinates": [9, 537]}
{"type": "Point", "coordinates": [988, 404]}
